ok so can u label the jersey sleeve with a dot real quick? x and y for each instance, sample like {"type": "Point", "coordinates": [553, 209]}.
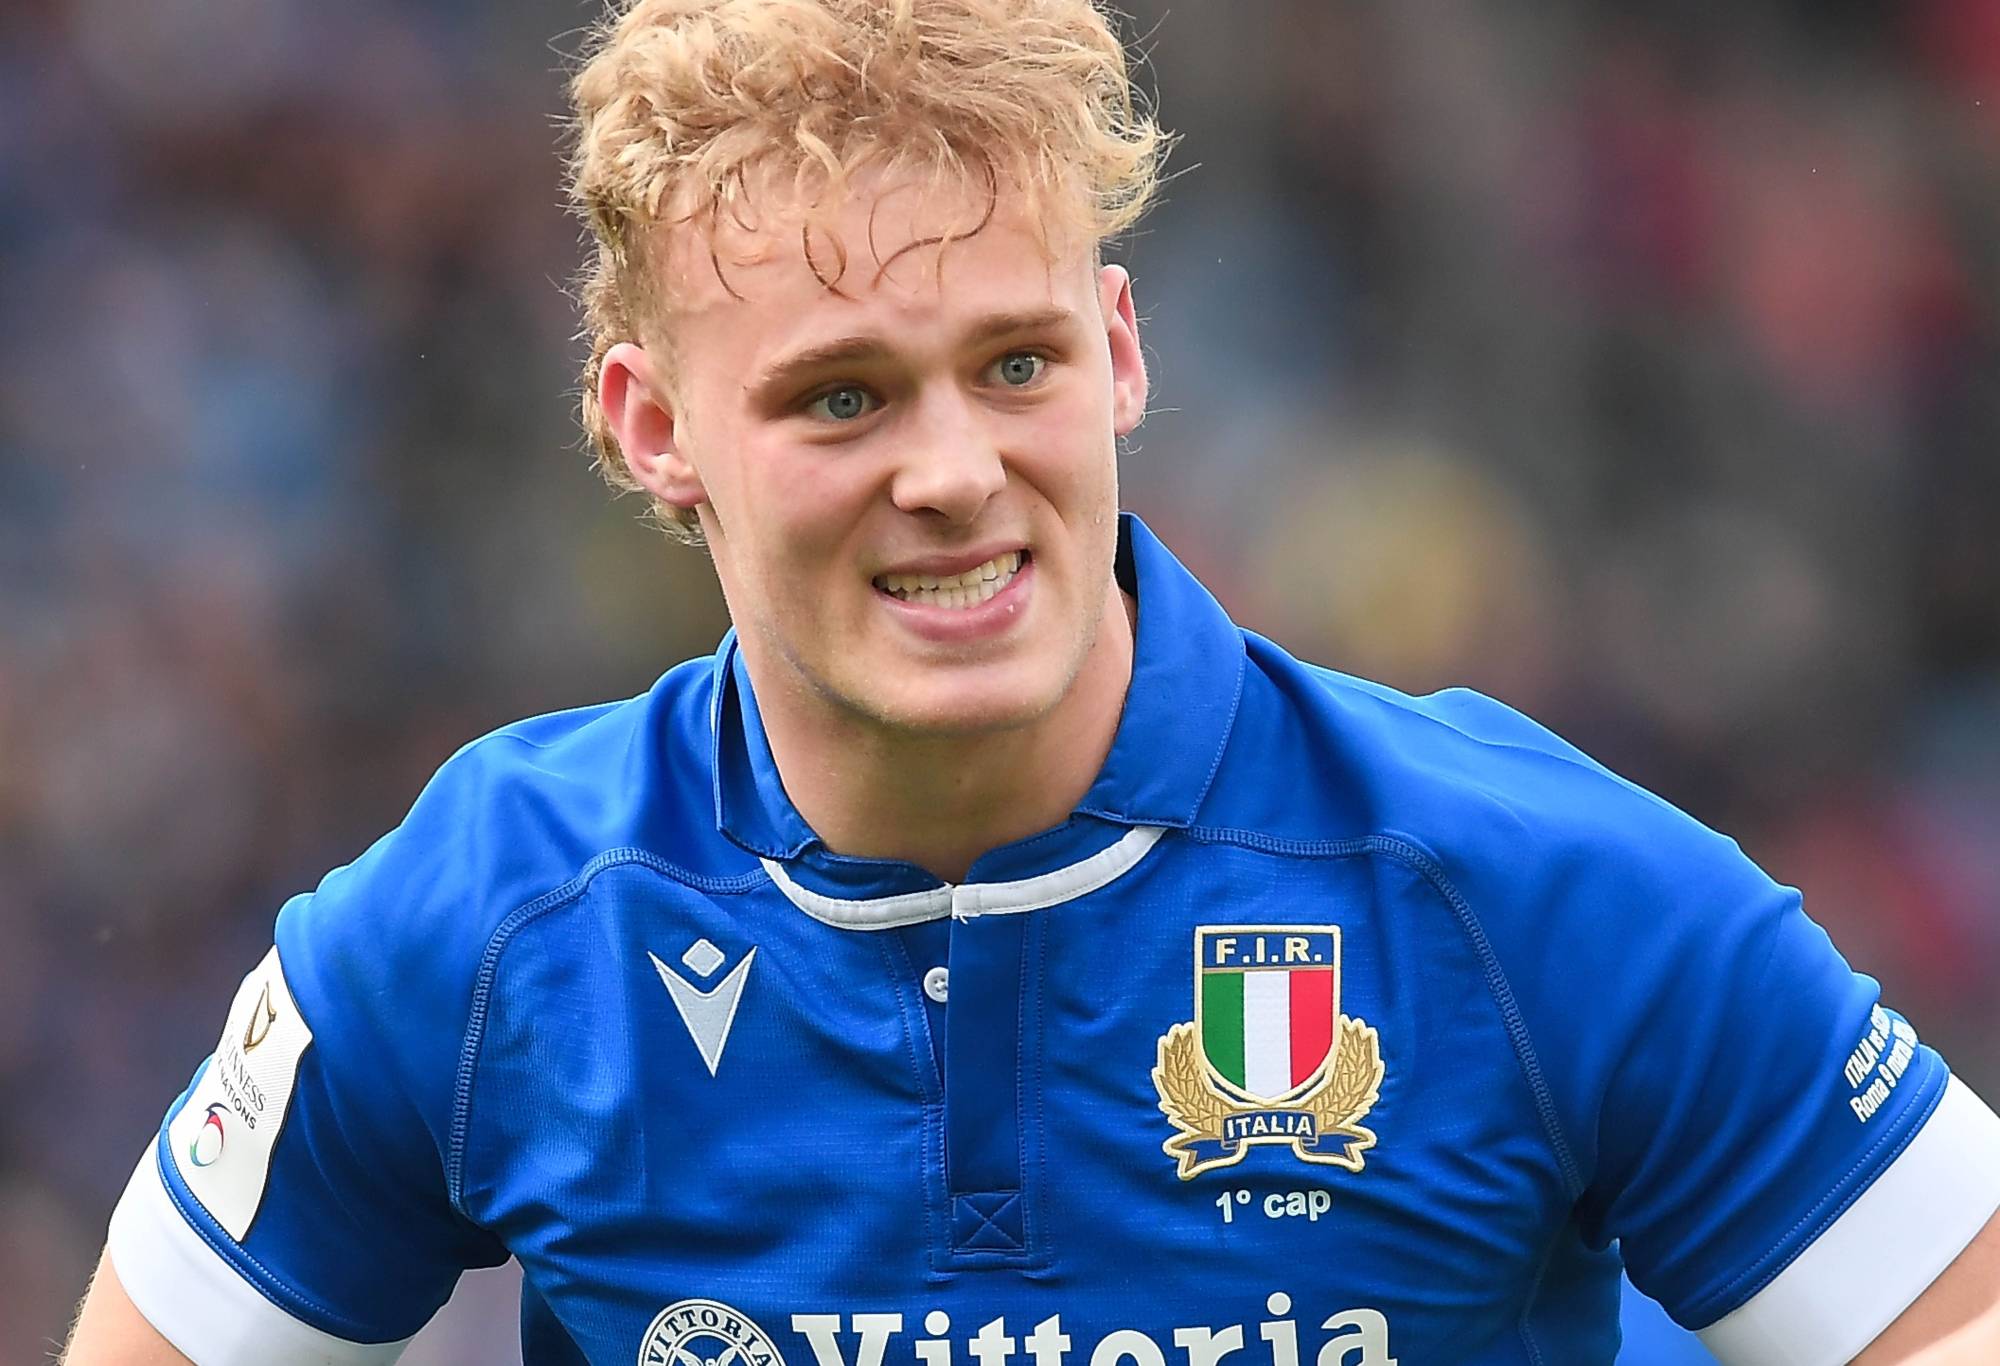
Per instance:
{"type": "Point", "coordinates": [1785, 1164]}
{"type": "Point", "coordinates": [297, 1205]}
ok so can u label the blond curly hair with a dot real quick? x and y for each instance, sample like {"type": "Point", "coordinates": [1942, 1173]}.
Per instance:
{"type": "Point", "coordinates": [682, 105]}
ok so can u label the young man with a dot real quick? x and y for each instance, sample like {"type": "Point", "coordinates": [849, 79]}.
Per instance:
{"type": "Point", "coordinates": [992, 953]}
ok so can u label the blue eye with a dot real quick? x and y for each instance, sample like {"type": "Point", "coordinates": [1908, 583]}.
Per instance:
{"type": "Point", "coordinates": [1019, 368]}
{"type": "Point", "coordinates": [843, 404]}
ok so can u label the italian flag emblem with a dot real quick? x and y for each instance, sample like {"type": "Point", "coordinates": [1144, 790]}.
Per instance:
{"type": "Point", "coordinates": [1268, 1057]}
{"type": "Point", "coordinates": [1266, 1011]}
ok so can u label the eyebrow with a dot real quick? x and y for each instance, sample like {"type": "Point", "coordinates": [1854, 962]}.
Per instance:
{"type": "Point", "coordinates": [789, 370]}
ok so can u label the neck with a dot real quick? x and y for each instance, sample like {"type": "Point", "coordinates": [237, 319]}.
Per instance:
{"type": "Point", "coordinates": [940, 801]}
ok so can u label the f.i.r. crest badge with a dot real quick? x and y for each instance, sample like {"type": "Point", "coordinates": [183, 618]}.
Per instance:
{"type": "Point", "coordinates": [1268, 1057]}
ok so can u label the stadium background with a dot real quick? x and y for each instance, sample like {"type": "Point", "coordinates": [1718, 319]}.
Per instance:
{"type": "Point", "coordinates": [1636, 367]}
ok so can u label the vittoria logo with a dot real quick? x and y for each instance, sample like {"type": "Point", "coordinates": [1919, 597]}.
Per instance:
{"type": "Point", "coordinates": [1357, 1337]}
{"type": "Point", "coordinates": [1268, 1057]}
{"type": "Point", "coordinates": [706, 1333]}
{"type": "Point", "coordinates": [208, 1139]}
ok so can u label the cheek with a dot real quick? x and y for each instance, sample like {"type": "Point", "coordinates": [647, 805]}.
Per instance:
{"type": "Point", "coordinates": [795, 512]}
{"type": "Point", "coordinates": [1070, 454]}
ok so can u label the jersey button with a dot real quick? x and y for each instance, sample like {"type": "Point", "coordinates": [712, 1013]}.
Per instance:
{"type": "Point", "coordinates": [937, 984]}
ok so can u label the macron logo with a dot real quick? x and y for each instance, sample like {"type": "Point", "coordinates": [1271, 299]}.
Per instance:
{"type": "Point", "coordinates": [707, 1014]}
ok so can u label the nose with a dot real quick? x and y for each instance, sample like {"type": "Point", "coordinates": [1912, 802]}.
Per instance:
{"type": "Point", "coordinates": [950, 463]}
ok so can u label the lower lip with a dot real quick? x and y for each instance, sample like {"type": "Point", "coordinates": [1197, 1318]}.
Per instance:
{"type": "Point", "coordinates": [958, 625]}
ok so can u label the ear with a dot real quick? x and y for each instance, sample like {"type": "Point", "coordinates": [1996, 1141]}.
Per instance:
{"type": "Point", "coordinates": [1128, 363]}
{"type": "Point", "coordinates": [640, 411]}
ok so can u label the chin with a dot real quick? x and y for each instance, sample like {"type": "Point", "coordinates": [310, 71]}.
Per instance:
{"type": "Point", "coordinates": [946, 720]}
{"type": "Point", "coordinates": [1002, 701]}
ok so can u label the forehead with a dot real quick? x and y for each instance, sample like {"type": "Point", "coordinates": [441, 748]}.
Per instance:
{"type": "Point", "coordinates": [901, 255]}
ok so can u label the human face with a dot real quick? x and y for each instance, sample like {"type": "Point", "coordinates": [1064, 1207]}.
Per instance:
{"type": "Point", "coordinates": [955, 413]}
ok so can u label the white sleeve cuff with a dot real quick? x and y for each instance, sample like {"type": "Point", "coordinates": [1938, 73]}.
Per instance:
{"type": "Point", "coordinates": [1884, 1251]}
{"type": "Point", "coordinates": [199, 1302]}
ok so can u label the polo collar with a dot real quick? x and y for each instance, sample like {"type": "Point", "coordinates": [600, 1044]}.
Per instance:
{"type": "Point", "coordinates": [1187, 679]}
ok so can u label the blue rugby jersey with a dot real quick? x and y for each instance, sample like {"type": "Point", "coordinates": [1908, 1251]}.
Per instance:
{"type": "Point", "coordinates": [1334, 1028]}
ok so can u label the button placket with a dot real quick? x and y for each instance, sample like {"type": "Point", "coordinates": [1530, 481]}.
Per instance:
{"type": "Point", "coordinates": [983, 1090]}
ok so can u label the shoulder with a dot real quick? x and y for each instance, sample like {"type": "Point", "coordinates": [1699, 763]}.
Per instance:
{"type": "Point", "coordinates": [1469, 783]}
{"type": "Point", "coordinates": [525, 808]}
{"type": "Point", "coordinates": [516, 816]}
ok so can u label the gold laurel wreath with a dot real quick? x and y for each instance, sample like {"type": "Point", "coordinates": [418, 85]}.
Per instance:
{"type": "Point", "coordinates": [1348, 1088]}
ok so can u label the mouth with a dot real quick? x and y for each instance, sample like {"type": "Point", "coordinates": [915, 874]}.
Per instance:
{"type": "Point", "coordinates": [956, 592]}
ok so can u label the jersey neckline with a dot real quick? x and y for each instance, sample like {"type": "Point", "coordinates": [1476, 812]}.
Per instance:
{"type": "Point", "coordinates": [1187, 681]}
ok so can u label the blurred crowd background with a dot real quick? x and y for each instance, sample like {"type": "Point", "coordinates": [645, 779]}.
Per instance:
{"type": "Point", "coordinates": [1635, 363]}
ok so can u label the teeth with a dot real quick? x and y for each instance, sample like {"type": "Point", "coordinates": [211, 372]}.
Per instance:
{"type": "Point", "coordinates": [954, 591]}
